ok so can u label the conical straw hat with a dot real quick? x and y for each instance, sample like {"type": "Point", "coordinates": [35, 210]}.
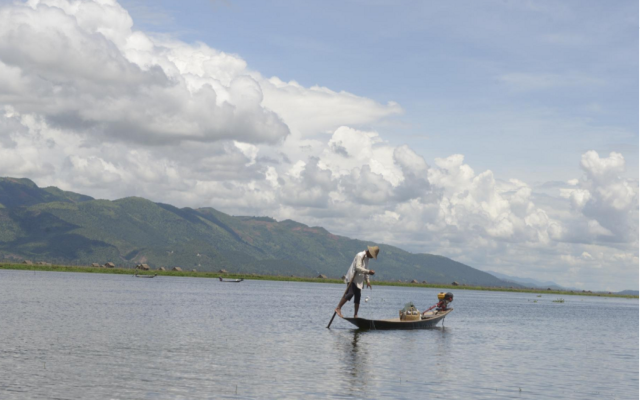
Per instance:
{"type": "Point", "coordinates": [374, 250]}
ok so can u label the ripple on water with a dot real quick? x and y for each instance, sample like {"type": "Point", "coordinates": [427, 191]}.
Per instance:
{"type": "Point", "coordinates": [93, 336]}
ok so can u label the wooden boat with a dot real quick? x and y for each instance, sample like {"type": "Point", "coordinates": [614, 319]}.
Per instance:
{"type": "Point", "coordinates": [145, 276]}
{"type": "Point", "coordinates": [231, 280]}
{"type": "Point", "coordinates": [430, 320]}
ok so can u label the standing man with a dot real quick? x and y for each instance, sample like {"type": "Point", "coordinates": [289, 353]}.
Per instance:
{"type": "Point", "coordinates": [357, 275]}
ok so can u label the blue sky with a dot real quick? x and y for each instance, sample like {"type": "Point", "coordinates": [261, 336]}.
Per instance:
{"type": "Point", "coordinates": [502, 134]}
{"type": "Point", "coordinates": [518, 87]}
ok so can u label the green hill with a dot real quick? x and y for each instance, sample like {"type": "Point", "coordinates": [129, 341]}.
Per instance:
{"type": "Point", "coordinates": [24, 192]}
{"type": "Point", "coordinates": [64, 227]}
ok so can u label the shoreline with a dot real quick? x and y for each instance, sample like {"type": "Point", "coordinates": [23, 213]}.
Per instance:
{"type": "Point", "coordinates": [190, 274]}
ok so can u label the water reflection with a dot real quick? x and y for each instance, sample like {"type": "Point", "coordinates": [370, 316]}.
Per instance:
{"type": "Point", "coordinates": [356, 361]}
{"type": "Point", "coordinates": [389, 360]}
{"type": "Point", "coordinates": [443, 354]}
{"type": "Point", "coordinates": [191, 338]}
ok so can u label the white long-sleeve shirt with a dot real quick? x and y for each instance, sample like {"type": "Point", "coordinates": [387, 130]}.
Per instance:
{"type": "Point", "coordinates": [359, 267]}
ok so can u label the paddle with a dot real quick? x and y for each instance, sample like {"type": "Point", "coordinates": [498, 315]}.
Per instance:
{"type": "Point", "coordinates": [345, 292]}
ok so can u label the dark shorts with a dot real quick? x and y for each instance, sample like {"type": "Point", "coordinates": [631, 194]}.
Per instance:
{"type": "Point", "coordinates": [353, 291]}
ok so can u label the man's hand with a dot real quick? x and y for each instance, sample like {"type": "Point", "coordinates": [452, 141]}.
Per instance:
{"type": "Point", "coordinates": [372, 272]}
{"type": "Point", "coordinates": [369, 285]}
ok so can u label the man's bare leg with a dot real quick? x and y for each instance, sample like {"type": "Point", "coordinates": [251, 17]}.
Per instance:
{"type": "Point", "coordinates": [355, 314]}
{"type": "Point", "coordinates": [339, 309]}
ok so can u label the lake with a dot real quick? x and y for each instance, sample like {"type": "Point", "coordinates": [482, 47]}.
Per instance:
{"type": "Point", "coordinates": [102, 336]}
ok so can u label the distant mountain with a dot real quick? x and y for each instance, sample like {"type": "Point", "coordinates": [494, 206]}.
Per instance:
{"type": "Point", "coordinates": [629, 292]}
{"type": "Point", "coordinates": [527, 282]}
{"type": "Point", "coordinates": [24, 192]}
{"type": "Point", "coordinates": [65, 227]}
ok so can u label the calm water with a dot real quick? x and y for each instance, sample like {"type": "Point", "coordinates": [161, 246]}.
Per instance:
{"type": "Point", "coordinates": [94, 336]}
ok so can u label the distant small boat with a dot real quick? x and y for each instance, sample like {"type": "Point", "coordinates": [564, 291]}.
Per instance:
{"type": "Point", "coordinates": [231, 280]}
{"type": "Point", "coordinates": [145, 276]}
{"type": "Point", "coordinates": [429, 320]}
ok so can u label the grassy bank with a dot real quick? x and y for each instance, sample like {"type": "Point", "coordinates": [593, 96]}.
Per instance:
{"type": "Point", "coordinates": [128, 271]}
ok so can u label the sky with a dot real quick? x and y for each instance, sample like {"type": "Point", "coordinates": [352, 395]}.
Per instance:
{"type": "Point", "coordinates": [502, 134]}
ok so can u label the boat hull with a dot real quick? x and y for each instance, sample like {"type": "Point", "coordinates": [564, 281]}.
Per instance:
{"type": "Point", "coordinates": [396, 323]}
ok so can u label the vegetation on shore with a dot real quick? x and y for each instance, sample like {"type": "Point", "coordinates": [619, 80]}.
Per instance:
{"type": "Point", "coordinates": [130, 271]}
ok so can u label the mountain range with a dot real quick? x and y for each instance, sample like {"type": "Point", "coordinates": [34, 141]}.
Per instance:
{"type": "Point", "coordinates": [53, 225]}
{"type": "Point", "coordinates": [528, 282]}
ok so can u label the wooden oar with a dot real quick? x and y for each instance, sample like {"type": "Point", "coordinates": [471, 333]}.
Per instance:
{"type": "Point", "coordinates": [345, 292]}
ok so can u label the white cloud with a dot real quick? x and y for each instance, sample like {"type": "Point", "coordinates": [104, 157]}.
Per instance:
{"type": "Point", "coordinates": [81, 66]}
{"type": "Point", "coordinates": [607, 200]}
{"type": "Point", "coordinates": [93, 106]}
{"type": "Point", "coordinates": [319, 109]}
{"type": "Point", "coordinates": [578, 197]}
{"type": "Point", "coordinates": [349, 149]}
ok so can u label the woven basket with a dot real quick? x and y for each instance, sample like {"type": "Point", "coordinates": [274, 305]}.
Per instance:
{"type": "Point", "coordinates": [411, 315]}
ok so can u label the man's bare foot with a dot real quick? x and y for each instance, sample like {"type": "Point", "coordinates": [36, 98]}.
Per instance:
{"type": "Point", "coordinates": [355, 315]}
{"type": "Point", "coordinates": [339, 312]}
